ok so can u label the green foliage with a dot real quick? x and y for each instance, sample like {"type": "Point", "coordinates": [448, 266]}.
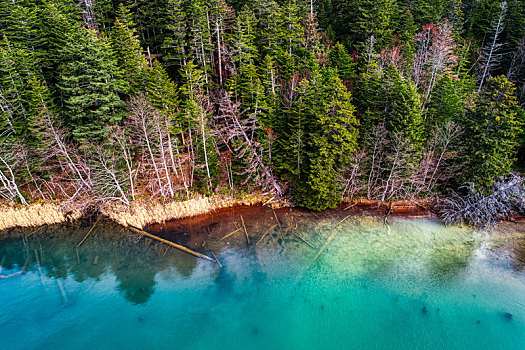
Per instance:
{"type": "Point", "coordinates": [290, 72]}
{"type": "Point", "coordinates": [491, 129]}
{"type": "Point", "coordinates": [127, 51]}
{"type": "Point", "coordinates": [340, 59]}
{"type": "Point", "coordinates": [319, 137]}
{"type": "Point", "coordinates": [89, 86]}
{"type": "Point", "coordinates": [405, 116]}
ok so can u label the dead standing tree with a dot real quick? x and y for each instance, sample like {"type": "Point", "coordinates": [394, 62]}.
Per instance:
{"type": "Point", "coordinates": [9, 188]}
{"type": "Point", "coordinates": [141, 122]}
{"type": "Point", "coordinates": [240, 134]}
{"type": "Point", "coordinates": [491, 55]}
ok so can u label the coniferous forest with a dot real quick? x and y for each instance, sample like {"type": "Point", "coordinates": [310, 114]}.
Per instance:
{"type": "Point", "coordinates": [318, 100]}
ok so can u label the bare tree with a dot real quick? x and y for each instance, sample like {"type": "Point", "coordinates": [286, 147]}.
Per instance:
{"type": "Point", "coordinates": [505, 198]}
{"type": "Point", "coordinates": [123, 141]}
{"type": "Point", "coordinates": [491, 55]}
{"type": "Point", "coordinates": [142, 119]}
{"type": "Point", "coordinates": [9, 189]}
{"type": "Point", "coordinates": [108, 179]}
{"type": "Point", "coordinates": [240, 135]}
{"type": "Point", "coordinates": [435, 56]}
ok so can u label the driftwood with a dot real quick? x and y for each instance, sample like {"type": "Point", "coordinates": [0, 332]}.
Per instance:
{"type": "Point", "coordinates": [302, 239]}
{"type": "Point", "coordinates": [278, 223]}
{"type": "Point", "coordinates": [230, 234]}
{"type": "Point", "coordinates": [505, 198]}
{"type": "Point", "coordinates": [217, 260]}
{"type": "Point", "coordinates": [86, 236]}
{"type": "Point", "coordinates": [37, 230]}
{"type": "Point", "coordinates": [330, 238]}
{"type": "Point", "coordinates": [264, 234]}
{"type": "Point", "coordinates": [175, 245]}
{"type": "Point", "coordinates": [245, 232]}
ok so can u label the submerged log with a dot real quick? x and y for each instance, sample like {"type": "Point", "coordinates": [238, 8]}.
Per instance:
{"type": "Point", "coordinates": [245, 231]}
{"type": "Point", "coordinates": [175, 245]}
{"type": "Point", "coordinates": [279, 223]}
{"type": "Point", "coordinates": [330, 238]}
{"type": "Point", "coordinates": [302, 239]}
{"type": "Point", "coordinates": [230, 234]}
{"type": "Point", "coordinates": [260, 239]}
{"type": "Point", "coordinates": [86, 236]}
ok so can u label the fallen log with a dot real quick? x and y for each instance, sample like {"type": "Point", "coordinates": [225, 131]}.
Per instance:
{"type": "Point", "coordinates": [175, 245]}
{"type": "Point", "coordinates": [279, 223]}
{"type": "Point", "coordinates": [302, 239]}
{"type": "Point", "coordinates": [245, 232]}
{"type": "Point", "coordinates": [230, 234]}
{"type": "Point", "coordinates": [260, 239]}
{"type": "Point", "coordinates": [86, 236]}
{"type": "Point", "coordinates": [330, 238]}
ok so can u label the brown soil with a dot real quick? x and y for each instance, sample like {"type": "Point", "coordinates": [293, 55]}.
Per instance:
{"type": "Point", "coordinates": [197, 231]}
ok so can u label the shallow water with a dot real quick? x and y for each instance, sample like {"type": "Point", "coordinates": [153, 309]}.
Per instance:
{"type": "Point", "coordinates": [412, 285]}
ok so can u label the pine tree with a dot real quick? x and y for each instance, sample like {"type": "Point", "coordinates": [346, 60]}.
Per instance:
{"type": "Point", "coordinates": [405, 114]}
{"type": "Point", "coordinates": [127, 51]}
{"type": "Point", "coordinates": [242, 40]}
{"type": "Point", "coordinates": [491, 129]}
{"type": "Point", "coordinates": [322, 134]}
{"type": "Point", "coordinates": [175, 41]}
{"type": "Point", "coordinates": [340, 59]}
{"type": "Point", "coordinates": [17, 67]}
{"type": "Point", "coordinates": [89, 86]}
{"type": "Point", "coordinates": [56, 28]}
{"type": "Point", "coordinates": [162, 91]}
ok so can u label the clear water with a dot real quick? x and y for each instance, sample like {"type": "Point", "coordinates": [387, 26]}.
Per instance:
{"type": "Point", "coordinates": [417, 285]}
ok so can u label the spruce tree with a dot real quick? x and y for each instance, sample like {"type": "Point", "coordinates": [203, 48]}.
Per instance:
{"type": "Point", "coordinates": [491, 130]}
{"type": "Point", "coordinates": [127, 51]}
{"type": "Point", "coordinates": [89, 86]}
{"type": "Point", "coordinates": [322, 134]}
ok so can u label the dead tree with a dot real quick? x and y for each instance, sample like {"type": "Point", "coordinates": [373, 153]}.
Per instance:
{"type": "Point", "coordinates": [435, 56]}
{"type": "Point", "coordinates": [491, 55]}
{"type": "Point", "coordinates": [240, 135]}
{"type": "Point", "coordinates": [473, 207]}
{"type": "Point", "coordinates": [123, 141]}
{"type": "Point", "coordinates": [88, 13]}
{"type": "Point", "coordinates": [108, 179]}
{"type": "Point", "coordinates": [9, 189]}
{"type": "Point", "coordinates": [141, 118]}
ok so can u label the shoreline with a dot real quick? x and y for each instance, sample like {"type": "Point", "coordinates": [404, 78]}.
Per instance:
{"type": "Point", "coordinates": [144, 213]}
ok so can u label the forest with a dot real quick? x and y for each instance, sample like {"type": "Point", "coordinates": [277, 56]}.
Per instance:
{"type": "Point", "coordinates": [318, 100]}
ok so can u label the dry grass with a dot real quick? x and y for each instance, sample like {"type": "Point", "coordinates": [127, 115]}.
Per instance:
{"type": "Point", "coordinates": [143, 213]}
{"type": "Point", "coordinates": [35, 215]}
{"type": "Point", "coordinates": [139, 213]}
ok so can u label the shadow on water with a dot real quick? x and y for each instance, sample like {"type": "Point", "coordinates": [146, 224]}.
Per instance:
{"type": "Point", "coordinates": [109, 248]}
{"type": "Point", "coordinates": [447, 260]}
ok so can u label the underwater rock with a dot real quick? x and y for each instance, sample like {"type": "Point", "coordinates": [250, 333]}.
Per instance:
{"type": "Point", "coordinates": [508, 316]}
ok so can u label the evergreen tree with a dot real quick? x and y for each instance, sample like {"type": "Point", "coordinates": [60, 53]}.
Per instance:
{"type": "Point", "coordinates": [405, 114]}
{"type": "Point", "coordinates": [340, 59]}
{"type": "Point", "coordinates": [89, 86]}
{"type": "Point", "coordinates": [127, 51]}
{"type": "Point", "coordinates": [491, 129]}
{"type": "Point", "coordinates": [321, 136]}
{"type": "Point", "coordinates": [175, 41]}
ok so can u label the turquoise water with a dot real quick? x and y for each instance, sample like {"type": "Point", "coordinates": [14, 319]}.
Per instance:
{"type": "Point", "coordinates": [414, 285]}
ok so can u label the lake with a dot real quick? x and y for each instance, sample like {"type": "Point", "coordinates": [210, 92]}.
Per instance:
{"type": "Point", "coordinates": [409, 284]}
